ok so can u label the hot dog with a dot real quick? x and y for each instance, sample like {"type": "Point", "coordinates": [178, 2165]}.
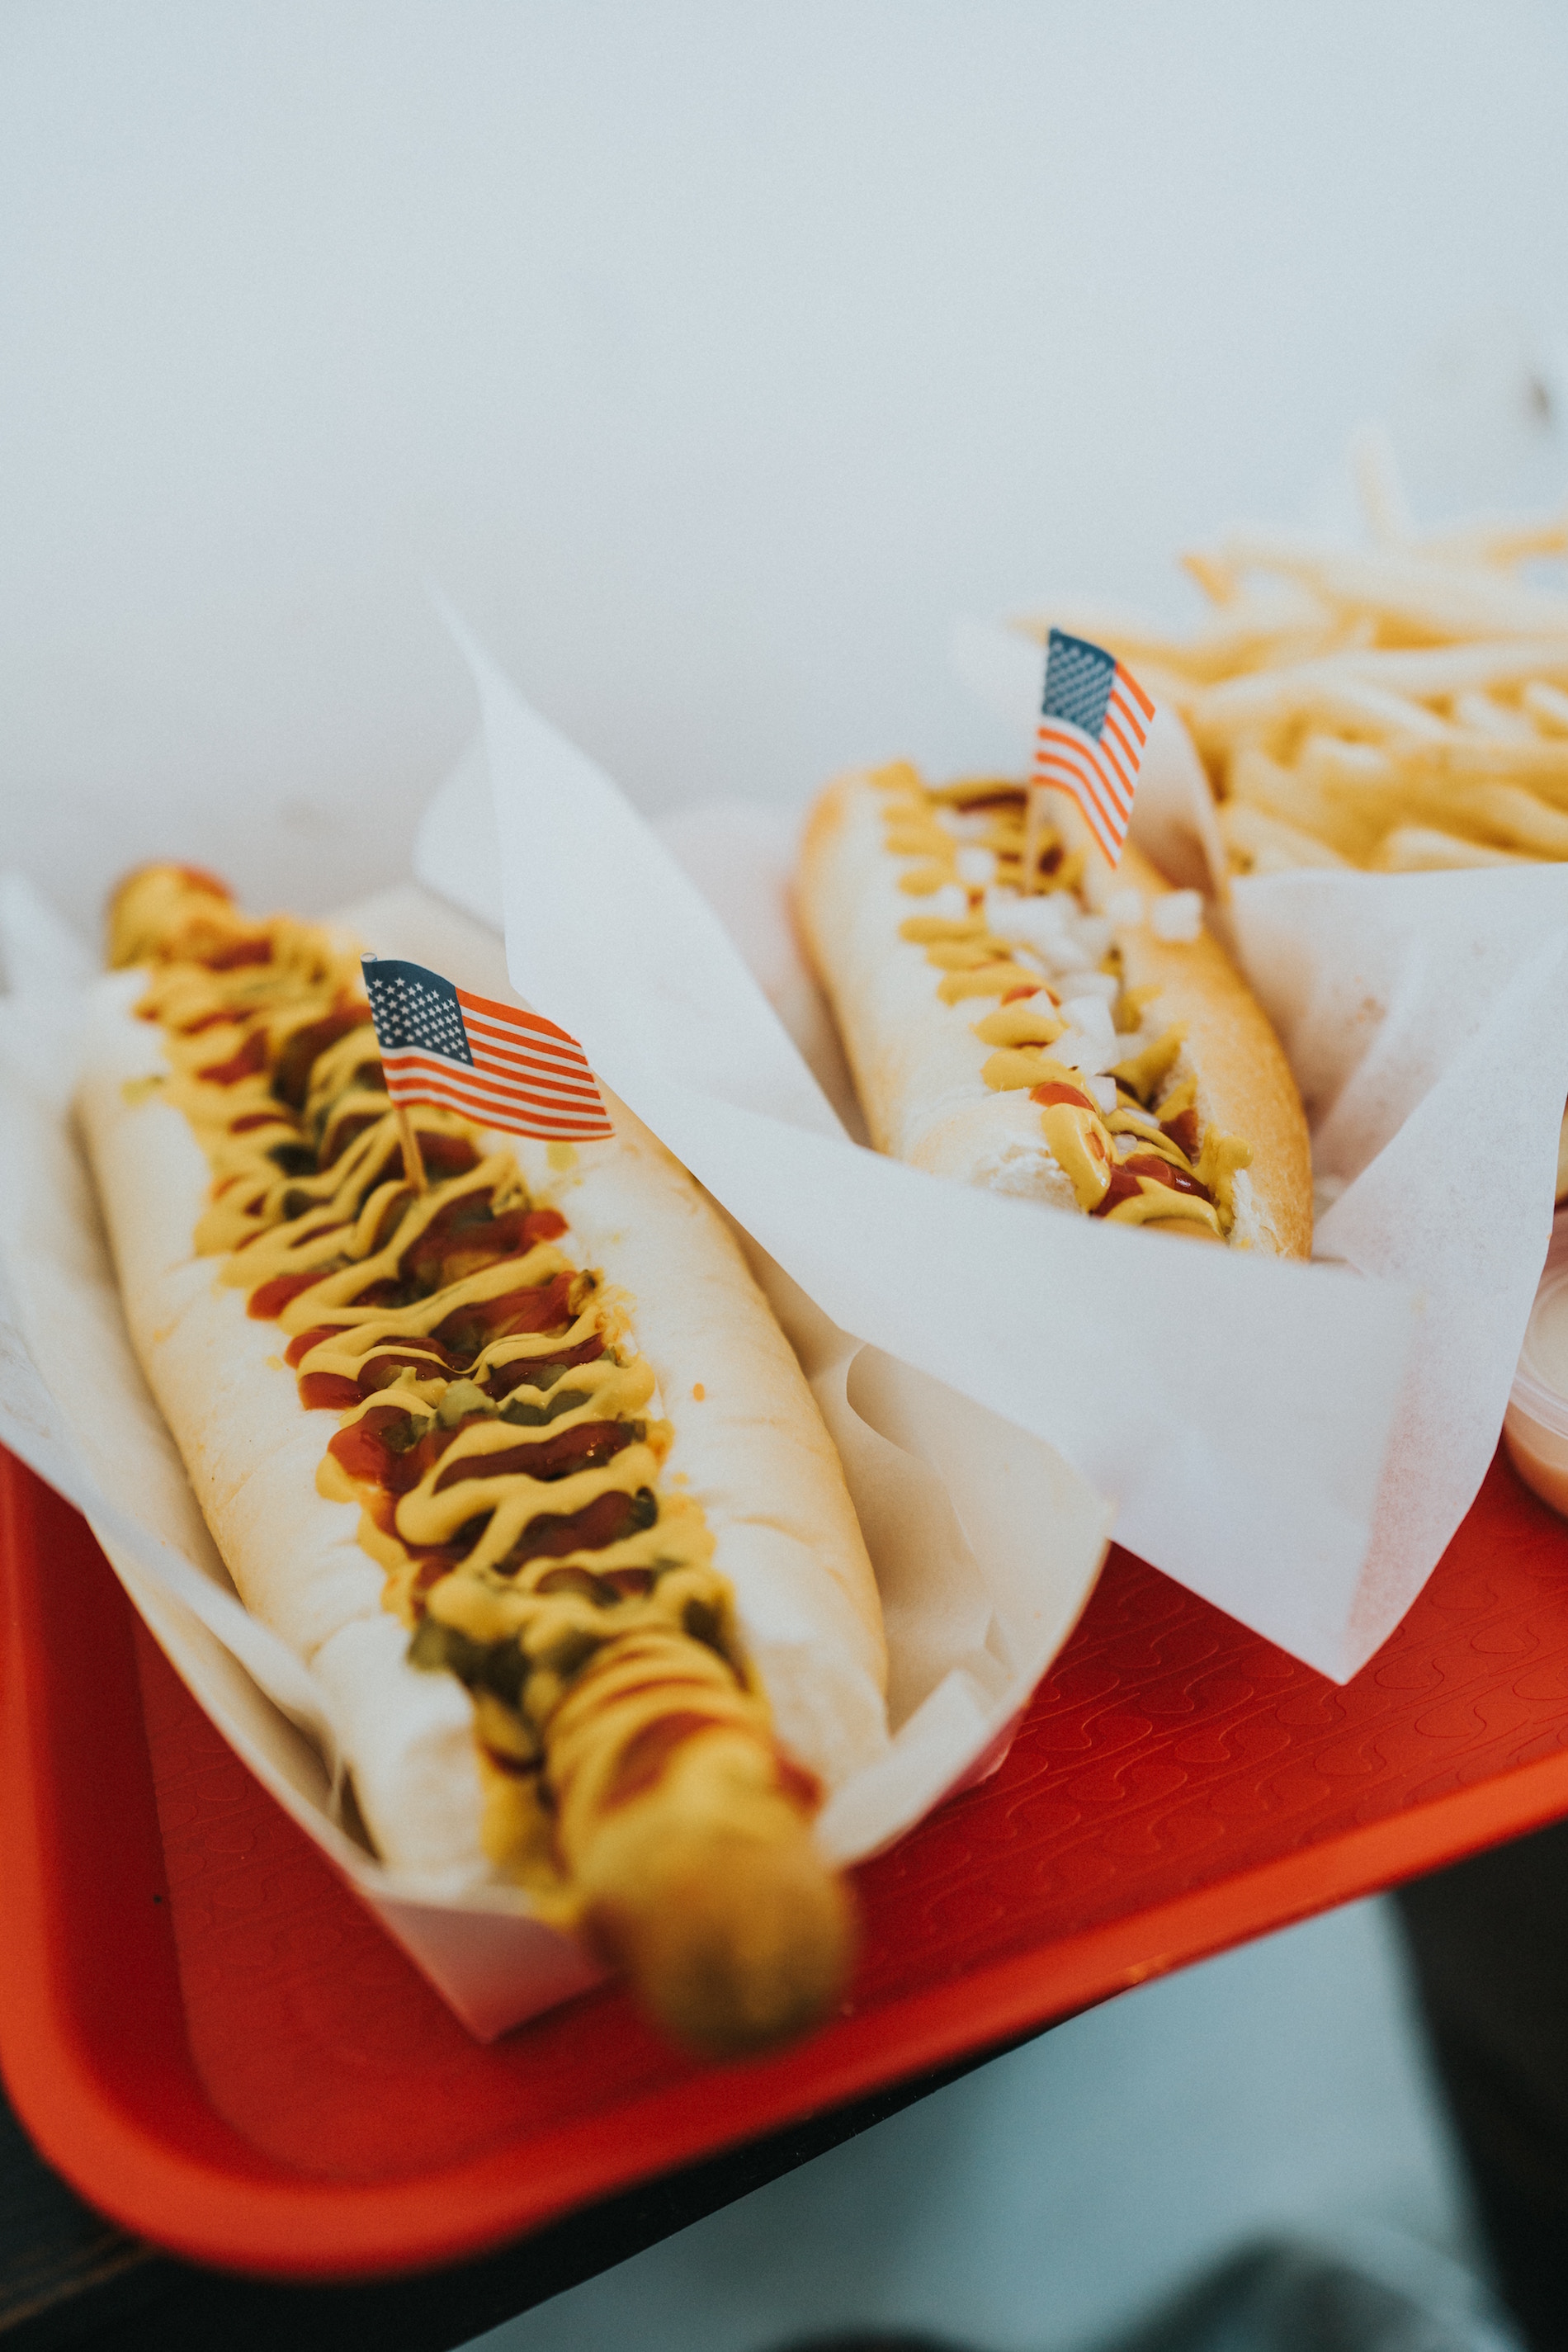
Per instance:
{"type": "Point", "coordinates": [1017, 1017]}
{"type": "Point", "coordinates": [521, 1465]}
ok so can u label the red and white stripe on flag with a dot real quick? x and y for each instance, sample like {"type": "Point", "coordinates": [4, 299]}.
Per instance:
{"type": "Point", "coordinates": [527, 1077]}
{"type": "Point", "coordinates": [1100, 772]}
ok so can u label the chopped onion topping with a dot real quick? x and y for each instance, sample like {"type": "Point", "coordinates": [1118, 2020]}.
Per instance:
{"type": "Point", "coordinates": [1177, 918]}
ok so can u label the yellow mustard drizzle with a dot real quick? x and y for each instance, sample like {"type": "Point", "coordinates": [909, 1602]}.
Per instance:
{"type": "Point", "coordinates": [1086, 1143]}
{"type": "Point", "coordinates": [572, 1655]}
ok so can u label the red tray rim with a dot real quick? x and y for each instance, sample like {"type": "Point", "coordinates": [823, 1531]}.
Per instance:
{"type": "Point", "coordinates": [130, 2128]}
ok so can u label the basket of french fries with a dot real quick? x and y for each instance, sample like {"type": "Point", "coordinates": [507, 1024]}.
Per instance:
{"type": "Point", "coordinates": [1395, 707]}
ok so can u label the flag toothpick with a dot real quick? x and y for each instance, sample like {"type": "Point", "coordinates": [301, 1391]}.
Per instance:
{"type": "Point", "coordinates": [493, 1062]}
{"type": "Point", "coordinates": [412, 1158]}
{"type": "Point", "coordinates": [1094, 722]}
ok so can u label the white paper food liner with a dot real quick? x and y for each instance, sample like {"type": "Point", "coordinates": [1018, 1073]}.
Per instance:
{"type": "Point", "coordinates": [1425, 1016]}
{"type": "Point", "coordinates": [1237, 1408]}
{"type": "Point", "coordinates": [985, 1543]}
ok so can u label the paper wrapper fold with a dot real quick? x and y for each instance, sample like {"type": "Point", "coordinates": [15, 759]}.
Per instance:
{"type": "Point", "coordinates": [1238, 1409]}
{"type": "Point", "coordinates": [1425, 1016]}
{"type": "Point", "coordinates": [986, 1544]}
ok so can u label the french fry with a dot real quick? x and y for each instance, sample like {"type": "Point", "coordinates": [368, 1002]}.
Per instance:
{"type": "Point", "coordinates": [1547, 705]}
{"type": "Point", "coordinates": [1353, 766]}
{"type": "Point", "coordinates": [1325, 693]}
{"type": "Point", "coordinates": [1499, 541]}
{"type": "Point", "coordinates": [1541, 761]}
{"type": "Point", "coordinates": [1259, 844]}
{"type": "Point", "coordinates": [1485, 715]}
{"type": "Point", "coordinates": [1218, 582]}
{"type": "Point", "coordinates": [1422, 849]}
{"type": "Point", "coordinates": [1419, 600]}
{"type": "Point", "coordinates": [1380, 488]}
{"type": "Point", "coordinates": [1281, 623]}
{"type": "Point", "coordinates": [1445, 671]}
{"type": "Point", "coordinates": [1257, 781]}
{"type": "Point", "coordinates": [1512, 818]}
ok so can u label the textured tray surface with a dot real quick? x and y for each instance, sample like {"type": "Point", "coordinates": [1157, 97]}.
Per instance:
{"type": "Point", "coordinates": [1178, 1784]}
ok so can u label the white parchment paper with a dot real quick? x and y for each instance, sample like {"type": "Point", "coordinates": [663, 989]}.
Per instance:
{"type": "Point", "coordinates": [1237, 1409]}
{"type": "Point", "coordinates": [1425, 1016]}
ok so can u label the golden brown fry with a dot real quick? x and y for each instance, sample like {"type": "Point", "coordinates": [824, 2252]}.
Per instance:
{"type": "Point", "coordinates": [1423, 850]}
{"type": "Point", "coordinates": [1380, 487]}
{"type": "Point", "coordinates": [1339, 761]}
{"type": "Point", "coordinates": [1325, 693]}
{"type": "Point", "coordinates": [1217, 580]}
{"type": "Point", "coordinates": [1285, 623]}
{"type": "Point", "coordinates": [1442, 671]}
{"type": "Point", "coordinates": [1539, 760]}
{"type": "Point", "coordinates": [1512, 818]}
{"type": "Point", "coordinates": [1484, 716]}
{"type": "Point", "coordinates": [1417, 600]}
{"type": "Point", "coordinates": [1260, 844]}
{"type": "Point", "coordinates": [1351, 823]}
{"type": "Point", "coordinates": [1496, 542]}
{"type": "Point", "coordinates": [1547, 705]}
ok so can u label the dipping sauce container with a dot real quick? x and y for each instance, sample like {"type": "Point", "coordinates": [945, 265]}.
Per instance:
{"type": "Point", "coordinates": [1535, 1426]}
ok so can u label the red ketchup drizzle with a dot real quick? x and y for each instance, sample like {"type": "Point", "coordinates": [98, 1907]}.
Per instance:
{"type": "Point", "coordinates": [195, 1028]}
{"type": "Point", "coordinates": [348, 1130]}
{"type": "Point", "coordinates": [1183, 1131]}
{"type": "Point", "coordinates": [464, 1230]}
{"type": "Point", "coordinates": [238, 952]}
{"type": "Point", "coordinates": [459, 1336]}
{"type": "Point", "coordinates": [447, 1155]}
{"type": "Point", "coordinates": [605, 1521]}
{"type": "Point", "coordinates": [502, 1379]}
{"type": "Point", "coordinates": [469, 1330]}
{"type": "Point", "coordinates": [584, 1447]}
{"type": "Point", "coordinates": [802, 1788]}
{"type": "Point", "coordinates": [608, 1519]}
{"type": "Point", "coordinates": [367, 1455]}
{"type": "Point", "coordinates": [301, 1346]}
{"type": "Point", "coordinates": [336, 1391]}
{"type": "Point", "coordinates": [631, 1583]}
{"type": "Point", "coordinates": [641, 1763]}
{"type": "Point", "coordinates": [339, 1390]}
{"type": "Point", "coordinates": [250, 1059]}
{"type": "Point", "coordinates": [291, 1078]}
{"type": "Point", "coordinates": [332, 1391]}
{"type": "Point", "coordinates": [1124, 1184]}
{"type": "Point", "coordinates": [268, 1299]}
{"type": "Point", "coordinates": [1054, 1091]}
{"type": "Point", "coordinates": [364, 1450]}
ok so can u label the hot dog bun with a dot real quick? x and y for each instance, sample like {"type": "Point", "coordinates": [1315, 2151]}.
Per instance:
{"type": "Point", "coordinates": [653, 1781]}
{"type": "Point", "coordinates": [882, 855]}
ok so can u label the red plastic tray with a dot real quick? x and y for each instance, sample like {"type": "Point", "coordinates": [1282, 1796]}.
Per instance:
{"type": "Point", "coordinates": [206, 2034]}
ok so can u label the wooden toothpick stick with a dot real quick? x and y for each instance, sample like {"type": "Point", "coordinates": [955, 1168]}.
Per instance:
{"type": "Point", "coordinates": [413, 1162]}
{"type": "Point", "coordinates": [1033, 820]}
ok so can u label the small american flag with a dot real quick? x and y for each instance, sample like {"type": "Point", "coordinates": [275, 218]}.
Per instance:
{"type": "Point", "coordinates": [1094, 720]}
{"type": "Point", "coordinates": [494, 1063]}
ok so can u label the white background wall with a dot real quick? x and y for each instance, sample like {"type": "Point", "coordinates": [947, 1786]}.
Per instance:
{"type": "Point", "coordinates": [713, 355]}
